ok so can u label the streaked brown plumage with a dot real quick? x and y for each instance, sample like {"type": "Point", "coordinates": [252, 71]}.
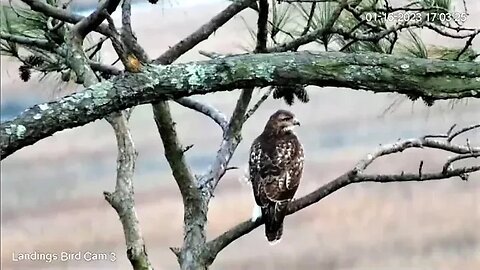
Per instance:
{"type": "Point", "coordinates": [275, 169]}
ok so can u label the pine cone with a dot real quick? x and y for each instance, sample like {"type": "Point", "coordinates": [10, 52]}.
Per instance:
{"type": "Point", "coordinates": [25, 73]}
{"type": "Point", "coordinates": [289, 92]}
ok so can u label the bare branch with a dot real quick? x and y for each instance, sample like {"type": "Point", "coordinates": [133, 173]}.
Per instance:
{"type": "Point", "coordinates": [309, 20]}
{"type": "Point", "coordinates": [104, 68]}
{"type": "Point", "coordinates": [262, 32]}
{"type": "Point", "coordinates": [174, 150]}
{"type": "Point", "coordinates": [128, 38]}
{"type": "Point", "coordinates": [195, 206]}
{"type": "Point", "coordinates": [461, 131]}
{"type": "Point", "coordinates": [467, 45]}
{"type": "Point", "coordinates": [203, 32]}
{"type": "Point", "coordinates": [122, 199]}
{"type": "Point", "coordinates": [355, 175]}
{"type": "Point", "coordinates": [304, 39]}
{"type": "Point", "coordinates": [448, 164]}
{"type": "Point", "coordinates": [92, 21]}
{"type": "Point", "coordinates": [205, 109]}
{"type": "Point", "coordinates": [232, 135]}
{"type": "Point", "coordinates": [28, 41]}
{"type": "Point", "coordinates": [61, 14]}
{"type": "Point", "coordinates": [258, 104]}
{"type": "Point", "coordinates": [96, 47]}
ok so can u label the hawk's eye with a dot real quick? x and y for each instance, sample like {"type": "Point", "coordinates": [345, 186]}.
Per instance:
{"type": "Point", "coordinates": [285, 118]}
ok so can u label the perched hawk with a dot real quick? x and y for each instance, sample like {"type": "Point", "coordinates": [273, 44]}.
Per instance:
{"type": "Point", "coordinates": [275, 169]}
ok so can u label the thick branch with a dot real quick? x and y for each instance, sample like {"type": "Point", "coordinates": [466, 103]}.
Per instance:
{"type": "Point", "coordinates": [174, 151]}
{"type": "Point", "coordinates": [122, 199]}
{"type": "Point", "coordinates": [434, 79]}
{"type": "Point", "coordinates": [195, 205]}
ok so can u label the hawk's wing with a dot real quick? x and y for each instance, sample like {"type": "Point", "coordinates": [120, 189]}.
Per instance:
{"type": "Point", "coordinates": [275, 170]}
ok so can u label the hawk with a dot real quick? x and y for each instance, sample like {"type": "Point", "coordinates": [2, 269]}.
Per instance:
{"type": "Point", "coordinates": [275, 169]}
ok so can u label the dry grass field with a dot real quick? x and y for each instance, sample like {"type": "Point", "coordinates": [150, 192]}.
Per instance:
{"type": "Point", "coordinates": [52, 191]}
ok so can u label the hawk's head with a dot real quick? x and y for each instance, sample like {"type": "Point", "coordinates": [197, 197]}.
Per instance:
{"type": "Point", "coordinates": [281, 121]}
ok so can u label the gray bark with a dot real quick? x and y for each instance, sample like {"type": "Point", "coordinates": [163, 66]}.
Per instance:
{"type": "Point", "coordinates": [432, 79]}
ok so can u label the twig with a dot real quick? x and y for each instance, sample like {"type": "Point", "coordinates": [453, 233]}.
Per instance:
{"type": "Point", "coordinates": [97, 45]}
{"type": "Point", "coordinates": [467, 45]}
{"type": "Point", "coordinates": [211, 55]}
{"type": "Point", "coordinates": [309, 20]}
{"type": "Point", "coordinates": [420, 168]}
{"type": "Point", "coordinates": [304, 39]}
{"type": "Point", "coordinates": [461, 131]}
{"type": "Point", "coordinates": [258, 104]}
{"type": "Point", "coordinates": [449, 162]}
{"type": "Point", "coordinates": [188, 147]}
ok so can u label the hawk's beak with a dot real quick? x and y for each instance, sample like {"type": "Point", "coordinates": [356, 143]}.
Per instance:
{"type": "Point", "coordinates": [296, 122]}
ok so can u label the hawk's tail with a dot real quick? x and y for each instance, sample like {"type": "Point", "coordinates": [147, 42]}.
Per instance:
{"type": "Point", "coordinates": [274, 215]}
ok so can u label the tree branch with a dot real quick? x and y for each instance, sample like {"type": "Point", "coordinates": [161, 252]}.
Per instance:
{"type": "Point", "coordinates": [203, 32]}
{"type": "Point", "coordinates": [205, 109]}
{"type": "Point", "coordinates": [62, 14]}
{"type": "Point", "coordinates": [192, 40]}
{"type": "Point", "coordinates": [232, 135]}
{"type": "Point", "coordinates": [92, 21]}
{"type": "Point", "coordinates": [434, 79]}
{"type": "Point", "coordinates": [46, 45]}
{"type": "Point", "coordinates": [307, 38]}
{"type": "Point", "coordinates": [28, 41]}
{"type": "Point", "coordinates": [258, 104]}
{"type": "Point", "coordinates": [355, 175]}
{"type": "Point", "coordinates": [122, 199]}
{"type": "Point", "coordinates": [174, 151]}
{"type": "Point", "coordinates": [195, 209]}
{"type": "Point", "coordinates": [127, 36]}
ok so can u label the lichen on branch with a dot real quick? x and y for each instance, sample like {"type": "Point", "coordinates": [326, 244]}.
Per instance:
{"type": "Point", "coordinates": [433, 79]}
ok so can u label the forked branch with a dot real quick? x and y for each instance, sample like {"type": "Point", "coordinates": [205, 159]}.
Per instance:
{"type": "Point", "coordinates": [358, 175]}
{"type": "Point", "coordinates": [122, 199]}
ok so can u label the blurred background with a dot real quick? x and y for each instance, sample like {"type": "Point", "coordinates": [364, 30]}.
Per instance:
{"type": "Point", "coordinates": [52, 191]}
